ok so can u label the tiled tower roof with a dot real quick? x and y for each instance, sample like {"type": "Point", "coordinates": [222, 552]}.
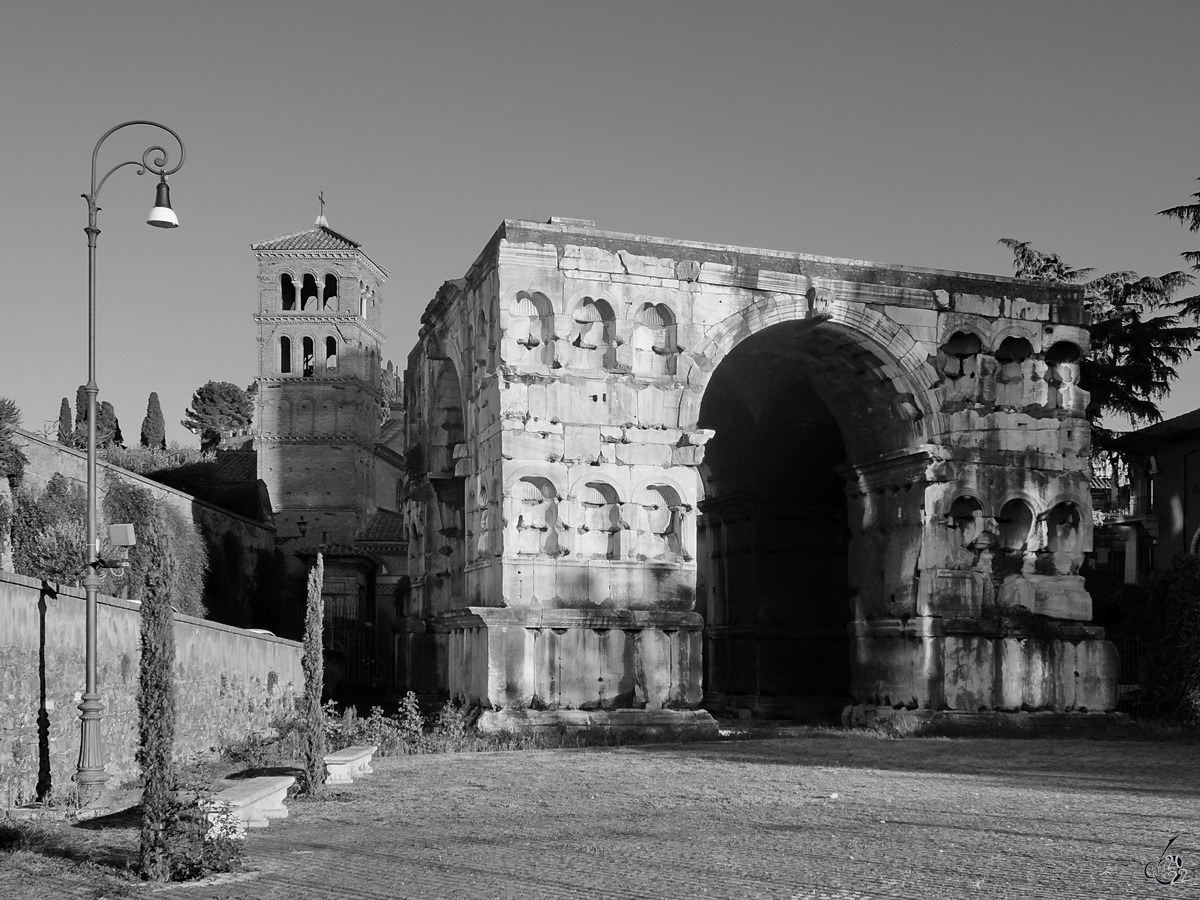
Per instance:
{"type": "Point", "coordinates": [321, 237]}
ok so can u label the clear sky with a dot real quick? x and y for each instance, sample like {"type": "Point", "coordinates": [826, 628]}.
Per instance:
{"type": "Point", "coordinates": [904, 132]}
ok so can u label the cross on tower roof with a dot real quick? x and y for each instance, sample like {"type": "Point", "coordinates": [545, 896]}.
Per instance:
{"type": "Point", "coordinates": [321, 220]}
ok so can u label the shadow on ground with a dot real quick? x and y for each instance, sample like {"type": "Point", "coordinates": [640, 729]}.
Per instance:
{"type": "Point", "coordinates": [1067, 765]}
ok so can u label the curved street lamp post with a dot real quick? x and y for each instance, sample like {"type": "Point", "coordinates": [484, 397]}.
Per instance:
{"type": "Point", "coordinates": [90, 773]}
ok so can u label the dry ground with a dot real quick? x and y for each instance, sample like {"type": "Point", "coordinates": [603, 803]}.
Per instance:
{"type": "Point", "coordinates": [833, 814]}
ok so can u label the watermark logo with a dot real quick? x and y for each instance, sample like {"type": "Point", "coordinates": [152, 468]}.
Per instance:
{"type": "Point", "coordinates": [1168, 868]}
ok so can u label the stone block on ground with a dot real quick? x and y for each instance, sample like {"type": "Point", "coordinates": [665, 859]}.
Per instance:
{"type": "Point", "coordinates": [254, 801]}
{"type": "Point", "coordinates": [342, 766]}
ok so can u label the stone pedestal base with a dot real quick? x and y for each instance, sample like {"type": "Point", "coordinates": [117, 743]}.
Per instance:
{"type": "Point", "coordinates": [691, 723]}
{"type": "Point", "coordinates": [972, 665]}
{"type": "Point", "coordinates": [988, 724]}
{"type": "Point", "coordinates": [573, 659]}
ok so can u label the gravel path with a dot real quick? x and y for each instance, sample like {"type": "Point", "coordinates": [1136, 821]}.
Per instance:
{"type": "Point", "coordinates": [832, 816]}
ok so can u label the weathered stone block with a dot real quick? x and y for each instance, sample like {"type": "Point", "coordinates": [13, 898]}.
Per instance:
{"type": "Point", "coordinates": [1061, 597]}
{"type": "Point", "coordinates": [1097, 670]}
{"type": "Point", "coordinates": [969, 673]}
{"type": "Point", "coordinates": [645, 454]}
{"type": "Point", "coordinates": [590, 259]}
{"type": "Point", "coordinates": [975, 304]}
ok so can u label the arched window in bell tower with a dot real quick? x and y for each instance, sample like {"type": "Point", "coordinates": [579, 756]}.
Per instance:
{"type": "Point", "coordinates": [308, 357]}
{"type": "Point", "coordinates": [285, 354]}
{"type": "Point", "coordinates": [287, 291]}
{"type": "Point", "coordinates": [308, 292]}
{"type": "Point", "coordinates": [329, 299]}
{"type": "Point", "coordinates": [330, 353]}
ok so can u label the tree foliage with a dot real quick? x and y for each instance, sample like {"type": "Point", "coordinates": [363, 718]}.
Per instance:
{"type": "Point", "coordinates": [175, 537]}
{"type": "Point", "coordinates": [1188, 215]}
{"type": "Point", "coordinates": [66, 430]}
{"type": "Point", "coordinates": [1175, 631]}
{"type": "Point", "coordinates": [313, 664]}
{"type": "Point", "coordinates": [1139, 334]}
{"type": "Point", "coordinates": [12, 460]}
{"type": "Point", "coordinates": [49, 539]}
{"type": "Point", "coordinates": [108, 427]}
{"type": "Point", "coordinates": [218, 407]}
{"type": "Point", "coordinates": [154, 428]}
{"type": "Point", "coordinates": [79, 435]}
{"type": "Point", "coordinates": [156, 701]}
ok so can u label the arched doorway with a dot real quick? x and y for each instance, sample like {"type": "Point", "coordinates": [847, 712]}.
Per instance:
{"type": "Point", "coordinates": [797, 409]}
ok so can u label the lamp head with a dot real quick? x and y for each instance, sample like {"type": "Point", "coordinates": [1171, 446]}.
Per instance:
{"type": "Point", "coordinates": [302, 525]}
{"type": "Point", "coordinates": [162, 216]}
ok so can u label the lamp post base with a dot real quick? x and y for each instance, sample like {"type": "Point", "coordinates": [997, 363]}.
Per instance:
{"type": "Point", "coordinates": [90, 776]}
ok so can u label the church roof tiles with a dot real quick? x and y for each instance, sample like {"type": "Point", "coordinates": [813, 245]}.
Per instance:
{"type": "Point", "coordinates": [319, 238]}
{"type": "Point", "coordinates": [384, 527]}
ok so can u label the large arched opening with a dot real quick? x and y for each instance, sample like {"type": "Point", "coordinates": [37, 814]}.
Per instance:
{"type": "Point", "coordinates": [798, 411]}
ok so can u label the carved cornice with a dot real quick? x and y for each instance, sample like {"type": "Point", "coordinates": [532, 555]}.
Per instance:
{"type": "Point", "coordinates": [265, 439]}
{"type": "Point", "coordinates": [356, 255]}
{"type": "Point", "coordinates": [891, 470]}
{"type": "Point", "coordinates": [310, 319]}
{"type": "Point", "coordinates": [301, 380]}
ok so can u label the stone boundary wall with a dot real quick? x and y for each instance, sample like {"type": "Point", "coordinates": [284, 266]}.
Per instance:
{"type": "Point", "coordinates": [230, 683]}
{"type": "Point", "coordinates": [47, 458]}
{"type": "Point", "coordinates": [237, 588]}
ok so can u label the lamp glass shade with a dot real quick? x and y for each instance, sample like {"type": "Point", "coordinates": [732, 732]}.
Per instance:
{"type": "Point", "coordinates": [162, 216]}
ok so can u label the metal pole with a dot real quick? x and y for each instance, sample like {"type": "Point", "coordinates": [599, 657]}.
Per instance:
{"type": "Point", "coordinates": [91, 750]}
{"type": "Point", "coordinates": [90, 773]}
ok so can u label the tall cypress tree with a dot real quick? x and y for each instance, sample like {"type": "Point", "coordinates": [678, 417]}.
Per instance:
{"type": "Point", "coordinates": [154, 427]}
{"type": "Point", "coordinates": [79, 439]}
{"type": "Point", "coordinates": [313, 665]}
{"type": "Point", "coordinates": [66, 430]}
{"type": "Point", "coordinates": [156, 704]}
{"type": "Point", "coordinates": [108, 427]}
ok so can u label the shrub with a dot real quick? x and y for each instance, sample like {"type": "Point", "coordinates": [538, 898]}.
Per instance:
{"type": "Point", "coordinates": [203, 838]}
{"type": "Point", "coordinates": [1174, 689]}
{"type": "Point", "coordinates": [179, 542]}
{"type": "Point", "coordinates": [12, 460]}
{"type": "Point", "coordinates": [449, 730]}
{"type": "Point", "coordinates": [48, 532]}
{"type": "Point", "coordinates": [153, 460]}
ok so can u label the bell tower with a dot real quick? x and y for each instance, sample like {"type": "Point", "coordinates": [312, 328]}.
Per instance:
{"type": "Point", "coordinates": [317, 411]}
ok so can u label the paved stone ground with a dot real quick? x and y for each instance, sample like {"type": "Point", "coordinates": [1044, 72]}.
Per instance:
{"type": "Point", "coordinates": [831, 816]}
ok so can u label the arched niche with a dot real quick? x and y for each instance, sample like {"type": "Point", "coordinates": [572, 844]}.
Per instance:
{"type": "Point", "coordinates": [1064, 536]}
{"type": "Point", "coordinates": [1014, 356]}
{"type": "Point", "coordinates": [531, 329]}
{"type": "Point", "coordinates": [1016, 526]}
{"type": "Point", "coordinates": [966, 517]}
{"type": "Point", "coordinates": [655, 341]}
{"type": "Point", "coordinates": [600, 533]}
{"type": "Point", "coordinates": [661, 531]}
{"type": "Point", "coordinates": [535, 501]}
{"type": "Point", "coordinates": [594, 335]}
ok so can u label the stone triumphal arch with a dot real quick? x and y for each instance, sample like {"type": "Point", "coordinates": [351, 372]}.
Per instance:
{"type": "Point", "coordinates": [644, 475]}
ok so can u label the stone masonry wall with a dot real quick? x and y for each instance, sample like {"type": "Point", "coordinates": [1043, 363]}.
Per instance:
{"type": "Point", "coordinates": [230, 683]}
{"type": "Point", "coordinates": [239, 548]}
